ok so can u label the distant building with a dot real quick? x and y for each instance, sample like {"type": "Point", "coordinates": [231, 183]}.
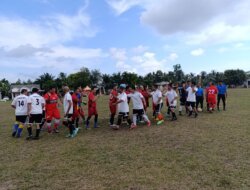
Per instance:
{"type": "Point", "coordinates": [16, 89]}
{"type": "Point", "coordinates": [247, 83]}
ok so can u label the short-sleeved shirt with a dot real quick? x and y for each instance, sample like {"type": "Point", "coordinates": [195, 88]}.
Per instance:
{"type": "Point", "coordinates": [91, 102]}
{"type": "Point", "coordinates": [199, 92]}
{"type": "Point", "coordinates": [123, 106]}
{"type": "Point", "coordinates": [191, 94]}
{"type": "Point", "coordinates": [156, 95]}
{"type": "Point", "coordinates": [67, 98]}
{"type": "Point", "coordinates": [212, 91]}
{"type": "Point", "coordinates": [222, 89]}
{"type": "Point", "coordinates": [37, 103]}
{"type": "Point", "coordinates": [113, 97]}
{"type": "Point", "coordinates": [51, 100]}
{"type": "Point", "coordinates": [136, 98]}
{"type": "Point", "coordinates": [171, 95]}
{"type": "Point", "coordinates": [21, 104]}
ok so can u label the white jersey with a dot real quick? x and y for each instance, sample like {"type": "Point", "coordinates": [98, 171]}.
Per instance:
{"type": "Point", "coordinates": [123, 106]}
{"type": "Point", "coordinates": [156, 95]}
{"type": "Point", "coordinates": [37, 103]}
{"type": "Point", "coordinates": [191, 95]}
{"type": "Point", "coordinates": [171, 95]}
{"type": "Point", "coordinates": [136, 98]}
{"type": "Point", "coordinates": [21, 104]}
{"type": "Point", "coordinates": [66, 99]}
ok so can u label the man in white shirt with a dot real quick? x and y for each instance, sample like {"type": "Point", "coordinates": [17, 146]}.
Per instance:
{"type": "Point", "coordinates": [35, 111]}
{"type": "Point", "coordinates": [138, 106]}
{"type": "Point", "coordinates": [172, 100]}
{"type": "Point", "coordinates": [191, 99]}
{"type": "Point", "coordinates": [68, 112]}
{"type": "Point", "coordinates": [21, 111]}
{"type": "Point", "coordinates": [157, 104]}
{"type": "Point", "coordinates": [123, 108]}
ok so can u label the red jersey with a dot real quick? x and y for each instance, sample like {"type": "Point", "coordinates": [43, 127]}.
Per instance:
{"type": "Point", "coordinates": [146, 96]}
{"type": "Point", "coordinates": [91, 102]}
{"type": "Point", "coordinates": [51, 100]}
{"type": "Point", "coordinates": [75, 102]}
{"type": "Point", "coordinates": [211, 92]}
{"type": "Point", "coordinates": [113, 97]}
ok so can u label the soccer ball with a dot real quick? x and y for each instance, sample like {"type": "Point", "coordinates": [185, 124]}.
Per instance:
{"type": "Point", "coordinates": [199, 110]}
{"type": "Point", "coordinates": [160, 117]}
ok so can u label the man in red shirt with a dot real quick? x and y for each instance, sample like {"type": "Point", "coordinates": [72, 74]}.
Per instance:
{"type": "Point", "coordinates": [211, 93]}
{"type": "Point", "coordinates": [146, 95]}
{"type": "Point", "coordinates": [52, 111]}
{"type": "Point", "coordinates": [112, 100]}
{"type": "Point", "coordinates": [93, 95]}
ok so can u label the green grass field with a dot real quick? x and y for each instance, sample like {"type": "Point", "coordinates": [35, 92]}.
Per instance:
{"type": "Point", "coordinates": [210, 152]}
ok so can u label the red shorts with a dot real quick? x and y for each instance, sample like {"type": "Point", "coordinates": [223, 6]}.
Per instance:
{"type": "Point", "coordinates": [92, 111]}
{"type": "Point", "coordinates": [81, 112]}
{"type": "Point", "coordinates": [211, 100]}
{"type": "Point", "coordinates": [52, 113]}
{"type": "Point", "coordinates": [112, 109]}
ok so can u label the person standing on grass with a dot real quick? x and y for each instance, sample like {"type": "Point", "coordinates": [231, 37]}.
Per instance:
{"type": "Point", "coordinates": [113, 108]}
{"type": "Point", "coordinates": [199, 96]}
{"type": "Point", "coordinates": [171, 96]}
{"type": "Point", "coordinates": [20, 104]}
{"type": "Point", "coordinates": [191, 99]}
{"type": "Point", "coordinates": [211, 93]}
{"type": "Point", "coordinates": [146, 95]}
{"type": "Point", "coordinates": [36, 104]}
{"type": "Point", "coordinates": [93, 96]}
{"type": "Point", "coordinates": [51, 109]}
{"type": "Point", "coordinates": [183, 97]}
{"type": "Point", "coordinates": [76, 114]}
{"type": "Point", "coordinates": [222, 94]}
{"type": "Point", "coordinates": [138, 106]}
{"type": "Point", "coordinates": [123, 108]}
{"type": "Point", "coordinates": [80, 109]}
{"type": "Point", "coordinates": [158, 104]}
{"type": "Point", "coordinates": [68, 112]}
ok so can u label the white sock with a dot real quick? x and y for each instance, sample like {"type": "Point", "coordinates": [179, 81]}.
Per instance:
{"type": "Point", "coordinates": [134, 119]}
{"type": "Point", "coordinates": [145, 117]}
{"type": "Point", "coordinates": [180, 108]}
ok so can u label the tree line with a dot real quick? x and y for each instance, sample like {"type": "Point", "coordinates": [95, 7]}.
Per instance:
{"type": "Point", "coordinates": [89, 77]}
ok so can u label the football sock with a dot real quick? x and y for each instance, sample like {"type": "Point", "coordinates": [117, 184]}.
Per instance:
{"type": "Point", "coordinates": [134, 119]}
{"type": "Point", "coordinates": [29, 130]}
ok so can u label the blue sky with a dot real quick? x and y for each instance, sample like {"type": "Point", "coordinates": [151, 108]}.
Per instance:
{"type": "Point", "coordinates": [141, 36]}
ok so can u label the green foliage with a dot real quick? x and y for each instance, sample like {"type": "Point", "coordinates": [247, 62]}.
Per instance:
{"type": "Point", "coordinates": [4, 87]}
{"type": "Point", "coordinates": [235, 77]}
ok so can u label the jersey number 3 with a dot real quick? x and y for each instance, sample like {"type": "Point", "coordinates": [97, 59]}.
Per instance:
{"type": "Point", "coordinates": [37, 101]}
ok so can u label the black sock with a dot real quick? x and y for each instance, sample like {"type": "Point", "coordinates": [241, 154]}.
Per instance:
{"type": "Point", "coordinates": [37, 132]}
{"type": "Point", "coordinates": [29, 131]}
{"type": "Point", "coordinates": [77, 122]}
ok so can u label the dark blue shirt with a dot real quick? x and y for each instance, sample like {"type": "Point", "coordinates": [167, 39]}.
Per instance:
{"type": "Point", "coordinates": [199, 92]}
{"type": "Point", "coordinates": [222, 89]}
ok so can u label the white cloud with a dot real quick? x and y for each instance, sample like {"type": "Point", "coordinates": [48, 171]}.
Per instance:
{"type": "Point", "coordinates": [197, 52]}
{"type": "Point", "coordinates": [173, 56]}
{"type": "Point", "coordinates": [139, 49]}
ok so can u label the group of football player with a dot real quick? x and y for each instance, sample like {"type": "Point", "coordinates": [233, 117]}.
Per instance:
{"type": "Point", "coordinates": [40, 111]}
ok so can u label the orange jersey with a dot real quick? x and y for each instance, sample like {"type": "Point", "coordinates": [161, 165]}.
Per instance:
{"type": "Point", "coordinates": [51, 101]}
{"type": "Point", "coordinates": [212, 91]}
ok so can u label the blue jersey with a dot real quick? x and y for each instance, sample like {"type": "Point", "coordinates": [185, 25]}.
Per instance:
{"type": "Point", "coordinates": [222, 89]}
{"type": "Point", "coordinates": [199, 92]}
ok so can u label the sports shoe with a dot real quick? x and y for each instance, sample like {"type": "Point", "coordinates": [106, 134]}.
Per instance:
{"type": "Point", "coordinates": [14, 134]}
{"type": "Point", "coordinates": [195, 115]}
{"type": "Point", "coordinates": [160, 122]}
{"type": "Point", "coordinates": [68, 136]}
{"type": "Point", "coordinates": [74, 133]}
{"type": "Point", "coordinates": [132, 126]}
{"type": "Point", "coordinates": [29, 138]}
{"type": "Point", "coordinates": [76, 129]}
{"type": "Point", "coordinates": [149, 124]}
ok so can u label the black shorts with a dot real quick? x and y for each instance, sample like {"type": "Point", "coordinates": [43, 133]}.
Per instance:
{"type": "Point", "coordinates": [123, 114]}
{"type": "Point", "coordinates": [172, 107]}
{"type": "Point", "coordinates": [21, 118]}
{"type": "Point", "coordinates": [192, 104]}
{"type": "Point", "coordinates": [158, 108]}
{"type": "Point", "coordinates": [36, 118]}
{"type": "Point", "coordinates": [183, 101]}
{"type": "Point", "coordinates": [138, 111]}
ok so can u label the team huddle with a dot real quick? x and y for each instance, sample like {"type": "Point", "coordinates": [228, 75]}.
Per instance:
{"type": "Point", "coordinates": [40, 111]}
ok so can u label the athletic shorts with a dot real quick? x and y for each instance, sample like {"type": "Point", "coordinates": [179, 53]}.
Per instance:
{"type": "Point", "coordinates": [124, 114]}
{"type": "Point", "coordinates": [36, 118]}
{"type": "Point", "coordinates": [92, 111]}
{"type": "Point", "coordinates": [182, 101]}
{"type": "Point", "coordinates": [138, 111]}
{"type": "Point", "coordinates": [158, 108]}
{"type": "Point", "coordinates": [192, 104]}
{"type": "Point", "coordinates": [52, 113]}
{"type": "Point", "coordinates": [21, 118]}
{"type": "Point", "coordinates": [112, 109]}
{"type": "Point", "coordinates": [211, 100]}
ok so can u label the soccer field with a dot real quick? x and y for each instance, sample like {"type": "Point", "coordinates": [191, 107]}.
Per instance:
{"type": "Point", "coordinates": [210, 152]}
